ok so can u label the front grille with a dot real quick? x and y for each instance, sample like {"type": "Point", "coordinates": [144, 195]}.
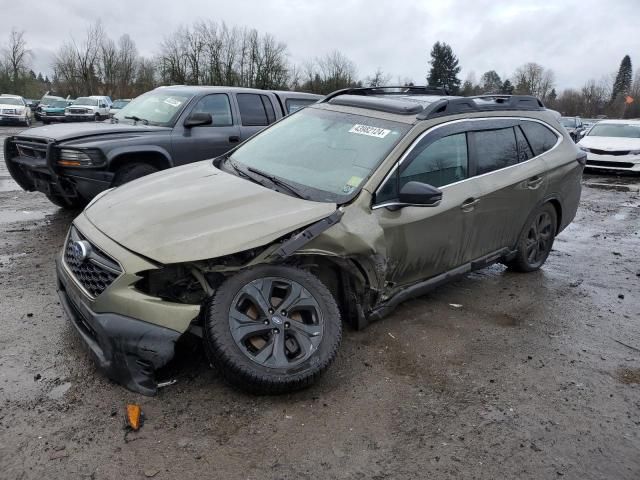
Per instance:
{"type": "Point", "coordinates": [92, 268]}
{"type": "Point", "coordinates": [603, 163]}
{"type": "Point", "coordinates": [615, 153]}
{"type": "Point", "coordinates": [31, 147]}
{"type": "Point", "coordinates": [77, 110]}
{"type": "Point", "coordinates": [9, 111]}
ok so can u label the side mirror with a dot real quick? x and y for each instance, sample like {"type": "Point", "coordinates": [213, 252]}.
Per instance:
{"type": "Point", "coordinates": [198, 119]}
{"type": "Point", "coordinates": [420, 194]}
{"type": "Point", "coordinates": [582, 133]}
{"type": "Point", "coordinates": [103, 105]}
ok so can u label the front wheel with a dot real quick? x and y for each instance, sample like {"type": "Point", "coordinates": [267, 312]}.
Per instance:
{"type": "Point", "coordinates": [272, 329]}
{"type": "Point", "coordinates": [536, 240]}
{"type": "Point", "coordinates": [27, 122]}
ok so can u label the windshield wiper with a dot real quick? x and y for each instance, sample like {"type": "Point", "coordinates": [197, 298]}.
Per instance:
{"type": "Point", "coordinates": [236, 169]}
{"type": "Point", "coordinates": [277, 181]}
{"type": "Point", "coordinates": [138, 119]}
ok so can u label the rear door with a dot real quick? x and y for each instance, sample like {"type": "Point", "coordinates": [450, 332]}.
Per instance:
{"type": "Point", "coordinates": [508, 182]}
{"type": "Point", "coordinates": [206, 141]}
{"type": "Point", "coordinates": [256, 112]}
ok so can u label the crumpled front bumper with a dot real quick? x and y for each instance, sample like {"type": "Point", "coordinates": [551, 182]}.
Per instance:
{"type": "Point", "coordinates": [127, 350]}
{"type": "Point", "coordinates": [129, 334]}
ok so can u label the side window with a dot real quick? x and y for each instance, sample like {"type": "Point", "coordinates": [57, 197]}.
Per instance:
{"type": "Point", "coordinates": [438, 163]}
{"type": "Point", "coordinates": [252, 110]}
{"type": "Point", "coordinates": [524, 149]}
{"type": "Point", "coordinates": [218, 106]}
{"type": "Point", "coordinates": [540, 137]}
{"type": "Point", "coordinates": [295, 104]}
{"type": "Point", "coordinates": [495, 149]}
{"type": "Point", "coordinates": [268, 106]}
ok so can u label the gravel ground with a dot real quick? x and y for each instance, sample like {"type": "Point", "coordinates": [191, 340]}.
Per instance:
{"type": "Point", "coordinates": [535, 376]}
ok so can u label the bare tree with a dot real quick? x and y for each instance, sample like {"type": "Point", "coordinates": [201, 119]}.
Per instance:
{"type": "Point", "coordinates": [533, 79]}
{"type": "Point", "coordinates": [16, 57]}
{"type": "Point", "coordinates": [378, 79]}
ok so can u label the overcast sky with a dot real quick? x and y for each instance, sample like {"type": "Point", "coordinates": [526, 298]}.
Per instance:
{"type": "Point", "coordinates": [577, 39]}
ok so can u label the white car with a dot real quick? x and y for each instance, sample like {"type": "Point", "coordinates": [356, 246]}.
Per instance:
{"type": "Point", "coordinates": [14, 109]}
{"type": "Point", "coordinates": [613, 145]}
{"type": "Point", "coordinates": [94, 107]}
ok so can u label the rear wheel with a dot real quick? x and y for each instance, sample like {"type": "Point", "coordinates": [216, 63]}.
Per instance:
{"type": "Point", "coordinates": [67, 203]}
{"type": "Point", "coordinates": [272, 329]}
{"type": "Point", "coordinates": [132, 172]}
{"type": "Point", "coordinates": [536, 240]}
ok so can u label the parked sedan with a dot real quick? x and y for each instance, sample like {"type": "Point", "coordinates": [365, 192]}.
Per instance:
{"type": "Point", "coordinates": [613, 145]}
{"type": "Point", "coordinates": [574, 126]}
{"type": "Point", "coordinates": [13, 109]}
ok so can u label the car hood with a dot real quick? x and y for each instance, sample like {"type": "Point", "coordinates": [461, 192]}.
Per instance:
{"type": "Point", "coordinates": [8, 106]}
{"type": "Point", "coordinates": [196, 212]}
{"type": "Point", "coordinates": [610, 143]}
{"type": "Point", "coordinates": [63, 131]}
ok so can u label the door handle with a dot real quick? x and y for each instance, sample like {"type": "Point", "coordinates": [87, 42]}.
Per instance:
{"type": "Point", "coordinates": [234, 139]}
{"type": "Point", "coordinates": [469, 204]}
{"type": "Point", "coordinates": [534, 182]}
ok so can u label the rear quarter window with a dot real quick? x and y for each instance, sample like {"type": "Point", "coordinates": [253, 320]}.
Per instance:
{"type": "Point", "coordinates": [540, 138]}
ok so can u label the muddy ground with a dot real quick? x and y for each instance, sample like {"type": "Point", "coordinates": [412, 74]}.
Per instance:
{"type": "Point", "coordinates": [535, 376]}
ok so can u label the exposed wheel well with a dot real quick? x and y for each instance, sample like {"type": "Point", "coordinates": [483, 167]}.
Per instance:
{"type": "Point", "coordinates": [154, 159]}
{"type": "Point", "coordinates": [558, 208]}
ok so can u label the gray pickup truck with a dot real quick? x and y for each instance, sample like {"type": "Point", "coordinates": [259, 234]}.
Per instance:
{"type": "Point", "coordinates": [164, 128]}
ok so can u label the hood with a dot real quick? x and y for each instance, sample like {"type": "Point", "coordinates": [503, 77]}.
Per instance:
{"type": "Point", "coordinates": [64, 131]}
{"type": "Point", "coordinates": [610, 143]}
{"type": "Point", "coordinates": [196, 212]}
{"type": "Point", "coordinates": [8, 106]}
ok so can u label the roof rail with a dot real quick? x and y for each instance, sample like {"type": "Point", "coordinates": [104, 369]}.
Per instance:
{"type": "Point", "coordinates": [397, 90]}
{"type": "Point", "coordinates": [481, 103]}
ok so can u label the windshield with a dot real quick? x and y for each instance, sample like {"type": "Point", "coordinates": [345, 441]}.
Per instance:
{"type": "Point", "coordinates": [120, 104]}
{"type": "Point", "coordinates": [568, 122]}
{"type": "Point", "coordinates": [11, 101]}
{"type": "Point", "coordinates": [327, 154]}
{"type": "Point", "coordinates": [157, 108]}
{"type": "Point", "coordinates": [85, 101]}
{"type": "Point", "coordinates": [627, 130]}
{"type": "Point", "coordinates": [58, 104]}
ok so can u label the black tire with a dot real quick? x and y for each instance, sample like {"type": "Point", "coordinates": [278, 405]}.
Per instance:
{"type": "Point", "coordinates": [67, 203]}
{"type": "Point", "coordinates": [27, 122]}
{"type": "Point", "coordinates": [45, 122]}
{"type": "Point", "coordinates": [97, 118]}
{"type": "Point", "coordinates": [247, 367]}
{"type": "Point", "coordinates": [132, 172]}
{"type": "Point", "coordinates": [536, 240]}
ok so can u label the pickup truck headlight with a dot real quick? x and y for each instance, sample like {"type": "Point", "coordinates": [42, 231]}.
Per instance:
{"type": "Point", "coordinates": [68, 157]}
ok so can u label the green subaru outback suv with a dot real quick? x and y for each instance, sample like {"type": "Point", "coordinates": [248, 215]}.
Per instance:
{"type": "Point", "coordinates": [333, 215]}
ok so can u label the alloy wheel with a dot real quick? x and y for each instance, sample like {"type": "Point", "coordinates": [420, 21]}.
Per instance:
{"type": "Point", "coordinates": [539, 238]}
{"type": "Point", "coordinates": [276, 322]}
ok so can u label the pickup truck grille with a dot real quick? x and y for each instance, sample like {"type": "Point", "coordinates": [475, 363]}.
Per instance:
{"type": "Point", "coordinates": [93, 269]}
{"type": "Point", "coordinates": [76, 111]}
{"type": "Point", "coordinates": [9, 111]}
{"type": "Point", "coordinates": [31, 147]}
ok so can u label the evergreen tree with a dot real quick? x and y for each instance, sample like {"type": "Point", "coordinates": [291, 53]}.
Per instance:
{"type": "Point", "coordinates": [444, 68]}
{"type": "Point", "coordinates": [490, 82]}
{"type": "Point", "coordinates": [552, 95]}
{"type": "Point", "coordinates": [622, 84]}
{"type": "Point", "coordinates": [507, 88]}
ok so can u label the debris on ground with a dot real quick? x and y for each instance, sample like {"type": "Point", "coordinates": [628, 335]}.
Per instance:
{"type": "Point", "coordinates": [134, 416]}
{"type": "Point", "coordinates": [455, 305]}
{"type": "Point", "coordinates": [151, 472]}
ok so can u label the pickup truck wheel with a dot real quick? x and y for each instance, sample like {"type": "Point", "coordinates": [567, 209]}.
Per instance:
{"type": "Point", "coordinates": [535, 240]}
{"type": "Point", "coordinates": [272, 329]}
{"type": "Point", "coordinates": [67, 203]}
{"type": "Point", "coordinates": [132, 172]}
{"type": "Point", "coordinates": [97, 118]}
{"type": "Point", "coordinates": [27, 122]}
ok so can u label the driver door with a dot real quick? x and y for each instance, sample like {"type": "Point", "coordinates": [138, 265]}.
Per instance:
{"type": "Point", "coordinates": [424, 241]}
{"type": "Point", "coordinates": [206, 141]}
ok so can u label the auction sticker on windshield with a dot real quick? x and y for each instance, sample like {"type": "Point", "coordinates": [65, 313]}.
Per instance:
{"type": "Point", "coordinates": [369, 131]}
{"type": "Point", "coordinates": [172, 101]}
